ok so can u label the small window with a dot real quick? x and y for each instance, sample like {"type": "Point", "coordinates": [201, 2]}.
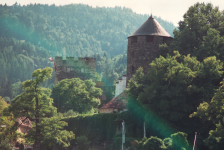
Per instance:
{"type": "Point", "coordinates": [149, 38]}
{"type": "Point", "coordinates": [164, 39]}
{"type": "Point", "coordinates": [133, 69]}
{"type": "Point", "coordinates": [133, 39]}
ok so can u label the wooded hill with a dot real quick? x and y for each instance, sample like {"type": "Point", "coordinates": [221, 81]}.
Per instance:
{"type": "Point", "coordinates": [30, 34]}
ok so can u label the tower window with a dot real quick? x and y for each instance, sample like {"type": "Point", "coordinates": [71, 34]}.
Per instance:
{"type": "Point", "coordinates": [149, 38]}
{"type": "Point", "coordinates": [133, 39]}
{"type": "Point", "coordinates": [164, 39]}
{"type": "Point", "coordinates": [133, 69]}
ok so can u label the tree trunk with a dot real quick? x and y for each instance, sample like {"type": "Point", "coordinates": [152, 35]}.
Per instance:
{"type": "Point", "coordinates": [37, 137]}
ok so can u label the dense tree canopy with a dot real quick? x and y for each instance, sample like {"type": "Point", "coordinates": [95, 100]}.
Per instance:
{"type": "Point", "coordinates": [201, 32]}
{"type": "Point", "coordinates": [35, 102]}
{"type": "Point", "coordinates": [214, 111]}
{"type": "Point", "coordinates": [76, 94]}
{"type": "Point", "coordinates": [178, 82]}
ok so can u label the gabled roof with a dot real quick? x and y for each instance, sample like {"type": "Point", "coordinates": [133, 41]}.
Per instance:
{"type": "Point", "coordinates": [151, 27]}
{"type": "Point", "coordinates": [23, 121]}
{"type": "Point", "coordinates": [118, 102]}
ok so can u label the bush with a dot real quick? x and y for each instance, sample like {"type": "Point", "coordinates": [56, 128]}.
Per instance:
{"type": "Point", "coordinates": [154, 143]}
{"type": "Point", "coordinates": [83, 143]}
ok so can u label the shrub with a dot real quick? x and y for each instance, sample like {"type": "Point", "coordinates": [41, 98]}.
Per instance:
{"type": "Point", "coordinates": [83, 143]}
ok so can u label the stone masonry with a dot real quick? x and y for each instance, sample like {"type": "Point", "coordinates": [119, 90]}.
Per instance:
{"type": "Point", "coordinates": [83, 68]}
{"type": "Point", "coordinates": [141, 52]}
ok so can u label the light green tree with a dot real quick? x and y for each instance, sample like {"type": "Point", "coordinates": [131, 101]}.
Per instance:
{"type": "Point", "coordinates": [35, 103]}
{"type": "Point", "coordinates": [76, 94]}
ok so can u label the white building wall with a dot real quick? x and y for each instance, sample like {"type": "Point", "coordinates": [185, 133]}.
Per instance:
{"type": "Point", "coordinates": [120, 86]}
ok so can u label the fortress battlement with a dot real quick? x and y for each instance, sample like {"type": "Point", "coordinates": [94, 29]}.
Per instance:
{"type": "Point", "coordinates": [83, 68]}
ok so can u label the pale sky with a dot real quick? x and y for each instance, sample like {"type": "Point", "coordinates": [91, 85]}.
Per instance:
{"type": "Point", "coordinates": [170, 10]}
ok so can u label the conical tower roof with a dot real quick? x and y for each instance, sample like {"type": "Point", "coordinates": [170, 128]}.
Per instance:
{"type": "Point", "coordinates": [151, 27]}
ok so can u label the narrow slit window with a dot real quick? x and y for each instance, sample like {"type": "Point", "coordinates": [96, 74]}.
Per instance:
{"type": "Point", "coordinates": [133, 69]}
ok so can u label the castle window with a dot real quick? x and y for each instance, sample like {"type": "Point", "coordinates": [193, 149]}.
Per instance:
{"type": "Point", "coordinates": [133, 69]}
{"type": "Point", "coordinates": [133, 39]}
{"type": "Point", "coordinates": [166, 40]}
{"type": "Point", "coordinates": [82, 69]}
{"type": "Point", "coordinates": [149, 38]}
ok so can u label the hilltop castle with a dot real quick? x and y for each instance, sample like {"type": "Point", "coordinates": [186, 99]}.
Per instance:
{"type": "Point", "coordinates": [143, 45]}
{"type": "Point", "coordinates": [143, 48]}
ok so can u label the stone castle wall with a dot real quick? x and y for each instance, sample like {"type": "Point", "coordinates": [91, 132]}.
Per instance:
{"type": "Point", "coordinates": [141, 53]}
{"type": "Point", "coordinates": [83, 68]}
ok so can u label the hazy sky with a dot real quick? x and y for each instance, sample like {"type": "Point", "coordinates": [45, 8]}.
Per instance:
{"type": "Point", "coordinates": [170, 10]}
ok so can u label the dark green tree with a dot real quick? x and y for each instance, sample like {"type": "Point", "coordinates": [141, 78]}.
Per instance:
{"type": "Point", "coordinates": [213, 111]}
{"type": "Point", "coordinates": [200, 33]}
{"type": "Point", "coordinates": [83, 143]}
{"type": "Point", "coordinates": [171, 90]}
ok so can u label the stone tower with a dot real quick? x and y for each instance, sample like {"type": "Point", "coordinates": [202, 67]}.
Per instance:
{"type": "Point", "coordinates": [143, 45]}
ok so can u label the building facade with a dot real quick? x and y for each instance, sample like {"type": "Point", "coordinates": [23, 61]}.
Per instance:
{"type": "Point", "coordinates": [143, 45]}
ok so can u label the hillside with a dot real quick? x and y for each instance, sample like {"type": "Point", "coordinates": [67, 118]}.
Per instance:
{"type": "Point", "coordinates": [30, 34]}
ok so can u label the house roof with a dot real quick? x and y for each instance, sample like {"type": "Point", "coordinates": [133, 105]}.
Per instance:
{"type": "Point", "coordinates": [151, 27]}
{"type": "Point", "coordinates": [23, 121]}
{"type": "Point", "coordinates": [118, 102]}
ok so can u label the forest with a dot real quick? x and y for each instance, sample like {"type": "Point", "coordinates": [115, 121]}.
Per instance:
{"type": "Point", "coordinates": [33, 33]}
{"type": "Point", "coordinates": [182, 94]}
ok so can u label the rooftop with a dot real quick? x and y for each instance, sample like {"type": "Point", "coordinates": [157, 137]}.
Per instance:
{"type": "Point", "coordinates": [151, 27]}
{"type": "Point", "coordinates": [118, 102]}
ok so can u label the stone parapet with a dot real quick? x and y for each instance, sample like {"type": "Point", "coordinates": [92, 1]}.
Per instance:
{"type": "Point", "coordinates": [83, 68]}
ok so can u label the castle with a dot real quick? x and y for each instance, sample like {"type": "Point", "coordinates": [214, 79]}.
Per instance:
{"type": "Point", "coordinates": [143, 45]}
{"type": "Point", "coordinates": [143, 48]}
{"type": "Point", "coordinates": [83, 68]}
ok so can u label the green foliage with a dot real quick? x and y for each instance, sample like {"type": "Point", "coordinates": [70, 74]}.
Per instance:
{"type": "Point", "coordinates": [8, 133]}
{"type": "Point", "coordinates": [153, 143]}
{"type": "Point", "coordinates": [83, 143]}
{"type": "Point", "coordinates": [172, 88]}
{"type": "Point", "coordinates": [69, 113]}
{"type": "Point", "coordinates": [76, 94]}
{"type": "Point", "coordinates": [179, 141]}
{"type": "Point", "coordinates": [35, 102]}
{"type": "Point", "coordinates": [6, 145]}
{"type": "Point", "coordinates": [97, 127]}
{"type": "Point", "coordinates": [200, 33]}
{"type": "Point", "coordinates": [53, 131]}
{"type": "Point", "coordinates": [31, 34]}
{"type": "Point", "coordinates": [118, 140]}
{"type": "Point", "coordinates": [213, 111]}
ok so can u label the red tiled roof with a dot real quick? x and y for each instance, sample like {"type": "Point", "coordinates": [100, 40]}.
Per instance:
{"type": "Point", "coordinates": [118, 102]}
